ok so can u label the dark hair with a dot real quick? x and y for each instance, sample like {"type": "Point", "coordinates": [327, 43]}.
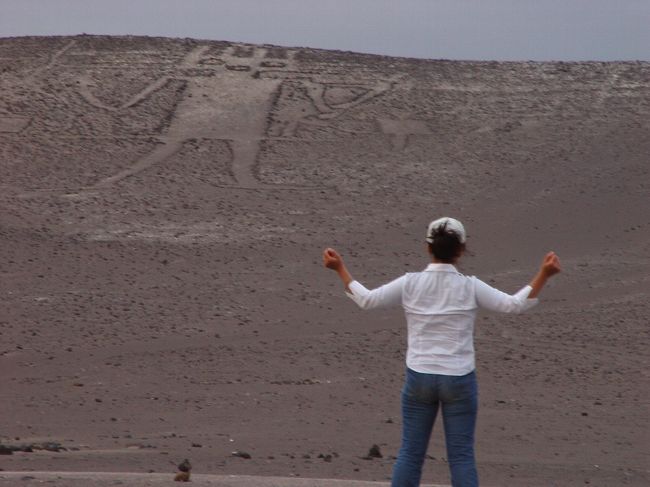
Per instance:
{"type": "Point", "coordinates": [446, 246]}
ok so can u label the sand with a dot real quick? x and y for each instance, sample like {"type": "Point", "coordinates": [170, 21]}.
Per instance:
{"type": "Point", "coordinates": [112, 479]}
{"type": "Point", "coordinates": [164, 206]}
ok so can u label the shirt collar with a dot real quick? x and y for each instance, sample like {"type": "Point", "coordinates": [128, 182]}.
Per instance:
{"type": "Point", "coordinates": [438, 267]}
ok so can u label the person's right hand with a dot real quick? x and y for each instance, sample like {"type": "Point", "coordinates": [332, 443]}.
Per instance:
{"type": "Point", "coordinates": [332, 259]}
{"type": "Point", "coordinates": [551, 264]}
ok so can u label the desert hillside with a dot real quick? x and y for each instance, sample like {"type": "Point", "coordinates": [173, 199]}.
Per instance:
{"type": "Point", "coordinates": [164, 203]}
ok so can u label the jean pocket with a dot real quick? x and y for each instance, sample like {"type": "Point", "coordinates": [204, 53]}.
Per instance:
{"type": "Point", "coordinates": [419, 388]}
{"type": "Point", "coordinates": [463, 387]}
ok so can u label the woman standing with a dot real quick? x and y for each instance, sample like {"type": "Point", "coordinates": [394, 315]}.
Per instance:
{"type": "Point", "coordinates": [440, 305]}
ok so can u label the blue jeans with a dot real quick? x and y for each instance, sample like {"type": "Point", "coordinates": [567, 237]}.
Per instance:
{"type": "Point", "coordinates": [422, 395]}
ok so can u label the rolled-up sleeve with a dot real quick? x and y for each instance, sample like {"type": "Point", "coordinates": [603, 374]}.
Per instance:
{"type": "Point", "coordinates": [492, 299]}
{"type": "Point", "coordinates": [390, 294]}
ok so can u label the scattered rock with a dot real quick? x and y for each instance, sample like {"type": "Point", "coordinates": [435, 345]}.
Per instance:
{"type": "Point", "coordinates": [326, 457]}
{"type": "Point", "coordinates": [30, 447]}
{"type": "Point", "coordinates": [184, 468]}
{"type": "Point", "coordinates": [241, 454]}
{"type": "Point", "coordinates": [50, 446]}
{"type": "Point", "coordinates": [182, 477]}
{"type": "Point", "coordinates": [374, 452]}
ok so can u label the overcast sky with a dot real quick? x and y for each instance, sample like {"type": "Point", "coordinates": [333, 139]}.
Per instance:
{"type": "Point", "coordinates": [453, 29]}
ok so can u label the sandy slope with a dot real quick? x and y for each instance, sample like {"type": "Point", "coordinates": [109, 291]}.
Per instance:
{"type": "Point", "coordinates": [164, 204]}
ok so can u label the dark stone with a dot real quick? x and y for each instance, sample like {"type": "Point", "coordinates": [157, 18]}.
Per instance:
{"type": "Point", "coordinates": [4, 450]}
{"type": "Point", "coordinates": [182, 477]}
{"type": "Point", "coordinates": [374, 452]}
{"type": "Point", "coordinates": [241, 454]}
{"type": "Point", "coordinates": [51, 446]}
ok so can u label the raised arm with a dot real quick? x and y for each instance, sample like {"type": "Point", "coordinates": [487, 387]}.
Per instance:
{"type": "Point", "coordinates": [490, 298]}
{"type": "Point", "coordinates": [332, 260]}
{"type": "Point", "coordinates": [389, 294]}
{"type": "Point", "coordinates": [550, 266]}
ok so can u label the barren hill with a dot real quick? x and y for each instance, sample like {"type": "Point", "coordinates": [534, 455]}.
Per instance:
{"type": "Point", "coordinates": [164, 203]}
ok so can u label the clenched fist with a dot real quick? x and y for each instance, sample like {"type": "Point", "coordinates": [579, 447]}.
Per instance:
{"type": "Point", "coordinates": [551, 264]}
{"type": "Point", "coordinates": [332, 259]}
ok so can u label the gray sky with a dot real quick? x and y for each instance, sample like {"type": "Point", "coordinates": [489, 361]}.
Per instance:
{"type": "Point", "coordinates": [453, 29]}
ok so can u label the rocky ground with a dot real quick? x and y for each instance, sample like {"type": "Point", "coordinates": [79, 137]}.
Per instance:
{"type": "Point", "coordinates": [164, 206]}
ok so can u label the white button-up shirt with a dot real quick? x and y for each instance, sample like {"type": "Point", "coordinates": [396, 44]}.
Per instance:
{"type": "Point", "coordinates": [440, 305]}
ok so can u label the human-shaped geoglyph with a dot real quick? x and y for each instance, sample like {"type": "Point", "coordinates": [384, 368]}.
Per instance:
{"type": "Point", "coordinates": [242, 95]}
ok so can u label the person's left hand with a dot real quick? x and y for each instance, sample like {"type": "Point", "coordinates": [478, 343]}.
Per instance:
{"type": "Point", "coordinates": [551, 264]}
{"type": "Point", "coordinates": [332, 259]}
